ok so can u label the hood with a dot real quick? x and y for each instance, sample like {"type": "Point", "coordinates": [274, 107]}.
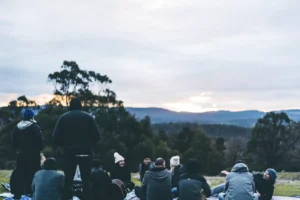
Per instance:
{"type": "Point", "coordinates": [240, 167]}
{"type": "Point", "coordinates": [159, 174]}
{"type": "Point", "coordinates": [22, 125]}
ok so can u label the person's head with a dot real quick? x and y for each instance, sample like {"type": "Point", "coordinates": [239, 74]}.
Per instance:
{"type": "Point", "coordinates": [192, 166]}
{"type": "Point", "coordinates": [239, 161]}
{"type": "Point", "coordinates": [50, 164]}
{"type": "Point", "coordinates": [28, 115]}
{"type": "Point", "coordinates": [75, 104]}
{"type": "Point", "coordinates": [96, 163]}
{"type": "Point", "coordinates": [119, 159]}
{"type": "Point", "coordinates": [175, 161]}
{"type": "Point", "coordinates": [270, 174]}
{"type": "Point", "coordinates": [147, 161]}
{"type": "Point", "coordinates": [160, 162]}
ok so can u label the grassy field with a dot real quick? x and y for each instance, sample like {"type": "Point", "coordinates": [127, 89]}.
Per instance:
{"type": "Point", "coordinates": [287, 184]}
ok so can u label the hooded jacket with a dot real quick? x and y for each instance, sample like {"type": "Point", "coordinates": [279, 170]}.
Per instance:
{"type": "Point", "coordinates": [239, 183]}
{"type": "Point", "coordinates": [264, 187]}
{"type": "Point", "coordinates": [157, 184]}
{"type": "Point", "coordinates": [27, 138]}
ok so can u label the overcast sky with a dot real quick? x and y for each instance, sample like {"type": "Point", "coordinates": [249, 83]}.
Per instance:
{"type": "Point", "coordinates": [184, 55]}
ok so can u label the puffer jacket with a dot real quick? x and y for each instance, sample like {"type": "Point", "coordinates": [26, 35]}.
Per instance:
{"type": "Point", "coordinates": [239, 183]}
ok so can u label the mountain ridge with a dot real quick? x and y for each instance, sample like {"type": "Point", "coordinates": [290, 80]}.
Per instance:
{"type": "Point", "coordinates": [245, 118]}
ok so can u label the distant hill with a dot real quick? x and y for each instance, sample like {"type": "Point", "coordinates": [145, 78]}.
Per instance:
{"type": "Point", "coordinates": [246, 118]}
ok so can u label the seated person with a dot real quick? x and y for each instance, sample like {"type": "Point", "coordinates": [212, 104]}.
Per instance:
{"type": "Point", "coordinates": [145, 166]}
{"type": "Point", "coordinates": [175, 170]}
{"type": "Point", "coordinates": [239, 184]}
{"type": "Point", "coordinates": [47, 183]}
{"type": "Point", "coordinates": [121, 171]}
{"type": "Point", "coordinates": [100, 181]}
{"type": "Point", "coordinates": [156, 183]}
{"type": "Point", "coordinates": [192, 182]}
{"type": "Point", "coordinates": [264, 184]}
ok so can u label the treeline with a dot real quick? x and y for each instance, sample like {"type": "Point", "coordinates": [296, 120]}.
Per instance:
{"type": "Point", "coordinates": [273, 142]}
{"type": "Point", "coordinates": [213, 130]}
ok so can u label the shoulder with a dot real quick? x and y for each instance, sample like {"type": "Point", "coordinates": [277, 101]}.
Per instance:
{"type": "Point", "coordinates": [198, 177]}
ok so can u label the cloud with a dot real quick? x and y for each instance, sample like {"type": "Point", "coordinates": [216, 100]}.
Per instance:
{"type": "Point", "coordinates": [159, 53]}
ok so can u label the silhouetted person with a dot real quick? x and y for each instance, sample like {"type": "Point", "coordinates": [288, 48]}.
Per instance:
{"type": "Point", "coordinates": [192, 182]}
{"type": "Point", "coordinates": [28, 140]}
{"type": "Point", "coordinates": [100, 182]}
{"type": "Point", "coordinates": [47, 183]}
{"type": "Point", "coordinates": [77, 133]}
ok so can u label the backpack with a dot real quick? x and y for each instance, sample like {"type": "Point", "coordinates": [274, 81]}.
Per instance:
{"type": "Point", "coordinates": [118, 190]}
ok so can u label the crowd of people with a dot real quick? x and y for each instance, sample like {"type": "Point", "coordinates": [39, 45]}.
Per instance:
{"type": "Point", "coordinates": [76, 133]}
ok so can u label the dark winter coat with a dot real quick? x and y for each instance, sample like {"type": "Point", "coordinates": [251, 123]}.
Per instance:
{"type": "Point", "coordinates": [27, 138]}
{"type": "Point", "coordinates": [121, 173]}
{"type": "Point", "coordinates": [157, 184]}
{"type": "Point", "coordinates": [47, 185]}
{"type": "Point", "coordinates": [76, 131]}
{"type": "Point", "coordinates": [176, 174]}
{"type": "Point", "coordinates": [100, 183]}
{"type": "Point", "coordinates": [143, 168]}
{"type": "Point", "coordinates": [190, 186]}
{"type": "Point", "coordinates": [264, 187]}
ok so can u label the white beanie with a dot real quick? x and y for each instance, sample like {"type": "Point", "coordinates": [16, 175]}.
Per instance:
{"type": "Point", "coordinates": [118, 157]}
{"type": "Point", "coordinates": [175, 161]}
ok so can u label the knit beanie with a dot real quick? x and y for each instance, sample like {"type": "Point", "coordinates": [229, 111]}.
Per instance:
{"type": "Point", "coordinates": [28, 115]}
{"type": "Point", "coordinates": [175, 161]}
{"type": "Point", "coordinates": [272, 173]}
{"type": "Point", "coordinates": [118, 157]}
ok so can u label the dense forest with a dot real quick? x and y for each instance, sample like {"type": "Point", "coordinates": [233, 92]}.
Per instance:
{"type": "Point", "coordinates": [272, 142]}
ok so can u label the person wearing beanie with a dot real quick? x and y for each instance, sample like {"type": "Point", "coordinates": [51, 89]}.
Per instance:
{"type": "Point", "coordinates": [146, 165]}
{"type": "Point", "coordinates": [28, 140]}
{"type": "Point", "coordinates": [175, 170]}
{"type": "Point", "coordinates": [47, 183]}
{"type": "Point", "coordinates": [192, 182]}
{"type": "Point", "coordinates": [76, 132]}
{"type": "Point", "coordinates": [264, 184]}
{"type": "Point", "coordinates": [121, 171]}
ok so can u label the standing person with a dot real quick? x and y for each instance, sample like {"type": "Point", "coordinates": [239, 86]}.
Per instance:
{"type": "Point", "coordinates": [77, 133]}
{"type": "Point", "coordinates": [28, 140]}
{"type": "Point", "coordinates": [192, 182]}
{"type": "Point", "coordinates": [145, 166]}
{"type": "Point", "coordinates": [121, 171]}
{"type": "Point", "coordinates": [264, 184]}
{"type": "Point", "coordinates": [239, 184]}
{"type": "Point", "coordinates": [156, 183]}
{"type": "Point", "coordinates": [47, 183]}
